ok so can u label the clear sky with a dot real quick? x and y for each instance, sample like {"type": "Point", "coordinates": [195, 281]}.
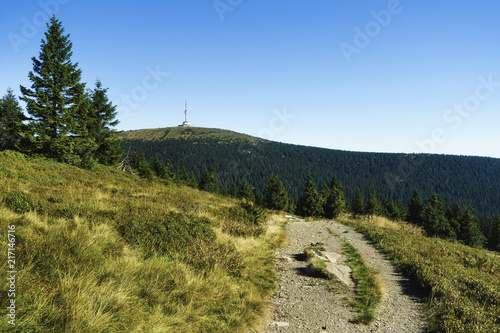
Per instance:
{"type": "Point", "coordinates": [380, 76]}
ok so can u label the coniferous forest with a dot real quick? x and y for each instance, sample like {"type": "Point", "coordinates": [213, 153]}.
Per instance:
{"type": "Point", "coordinates": [455, 194]}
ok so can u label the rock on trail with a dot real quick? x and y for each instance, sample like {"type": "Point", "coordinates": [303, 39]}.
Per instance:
{"type": "Point", "coordinates": [305, 302]}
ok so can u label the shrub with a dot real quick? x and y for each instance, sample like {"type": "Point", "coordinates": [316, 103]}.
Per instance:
{"type": "Point", "coordinates": [18, 202]}
{"type": "Point", "coordinates": [246, 220]}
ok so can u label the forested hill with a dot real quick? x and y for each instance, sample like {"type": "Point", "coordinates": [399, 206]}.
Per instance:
{"type": "Point", "coordinates": [473, 181]}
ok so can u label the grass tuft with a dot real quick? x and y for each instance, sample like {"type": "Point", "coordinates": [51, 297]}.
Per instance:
{"type": "Point", "coordinates": [368, 287]}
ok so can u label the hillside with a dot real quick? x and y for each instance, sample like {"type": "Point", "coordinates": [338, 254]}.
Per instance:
{"type": "Point", "coordinates": [467, 180]}
{"type": "Point", "coordinates": [104, 251]}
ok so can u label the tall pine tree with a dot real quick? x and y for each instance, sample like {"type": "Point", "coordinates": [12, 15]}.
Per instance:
{"type": "Point", "coordinates": [396, 211]}
{"type": "Point", "coordinates": [275, 195]}
{"type": "Point", "coordinates": [335, 202]}
{"type": "Point", "coordinates": [245, 191]}
{"type": "Point", "coordinates": [454, 216]}
{"type": "Point", "coordinates": [358, 205]}
{"type": "Point", "coordinates": [494, 240]}
{"type": "Point", "coordinates": [400, 211]}
{"type": "Point", "coordinates": [56, 101]}
{"type": "Point", "coordinates": [141, 165]}
{"type": "Point", "coordinates": [469, 230]}
{"type": "Point", "coordinates": [208, 181]}
{"type": "Point", "coordinates": [11, 121]}
{"type": "Point", "coordinates": [323, 194]}
{"type": "Point", "coordinates": [372, 205]}
{"type": "Point", "coordinates": [182, 176]}
{"type": "Point", "coordinates": [160, 169]}
{"type": "Point", "coordinates": [100, 123]}
{"type": "Point", "coordinates": [310, 203]}
{"type": "Point", "coordinates": [436, 223]}
{"type": "Point", "coordinates": [416, 209]}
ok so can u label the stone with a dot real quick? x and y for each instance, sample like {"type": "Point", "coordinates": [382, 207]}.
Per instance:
{"type": "Point", "coordinates": [342, 272]}
{"type": "Point", "coordinates": [332, 256]}
{"type": "Point", "coordinates": [280, 324]}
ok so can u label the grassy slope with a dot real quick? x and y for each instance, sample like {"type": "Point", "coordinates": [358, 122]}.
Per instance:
{"type": "Point", "coordinates": [462, 283]}
{"type": "Point", "coordinates": [103, 251]}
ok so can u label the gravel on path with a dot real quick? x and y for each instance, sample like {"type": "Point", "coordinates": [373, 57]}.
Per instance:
{"type": "Point", "coordinates": [308, 303]}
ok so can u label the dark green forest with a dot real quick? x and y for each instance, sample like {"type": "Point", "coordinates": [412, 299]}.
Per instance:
{"type": "Point", "coordinates": [473, 181]}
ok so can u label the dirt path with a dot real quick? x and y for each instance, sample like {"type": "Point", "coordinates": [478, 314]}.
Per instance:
{"type": "Point", "coordinates": [306, 303]}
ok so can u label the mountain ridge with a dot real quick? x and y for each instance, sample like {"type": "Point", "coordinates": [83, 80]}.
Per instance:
{"type": "Point", "coordinates": [153, 132]}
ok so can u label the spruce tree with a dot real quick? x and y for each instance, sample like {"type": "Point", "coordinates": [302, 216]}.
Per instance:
{"type": "Point", "coordinates": [204, 180]}
{"type": "Point", "coordinates": [310, 203]}
{"type": "Point", "coordinates": [141, 165]}
{"type": "Point", "coordinates": [388, 208]}
{"type": "Point", "coordinates": [11, 121]}
{"type": "Point", "coordinates": [102, 119]}
{"type": "Point", "coordinates": [182, 176]}
{"type": "Point", "coordinates": [416, 209]}
{"type": "Point", "coordinates": [372, 205]}
{"type": "Point", "coordinates": [56, 100]}
{"type": "Point", "coordinates": [358, 205]}
{"type": "Point", "coordinates": [436, 223]}
{"type": "Point", "coordinates": [245, 191]}
{"type": "Point", "coordinates": [275, 195]}
{"type": "Point", "coordinates": [335, 202]}
{"type": "Point", "coordinates": [395, 211]}
{"type": "Point", "coordinates": [208, 182]}
{"type": "Point", "coordinates": [400, 211]}
{"type": "Point", "coordinates": [454, 216]}
{"type": "Point", "coordinates": [159, 168]}
{"type": "Point", "coordinates": [192, 180]}
{"type": "Point", "coordinates": [469, 230]}
{"type": "Point", "coordinates": [494, 240]}
{"type": "Point", "coordinates": [324, 193]}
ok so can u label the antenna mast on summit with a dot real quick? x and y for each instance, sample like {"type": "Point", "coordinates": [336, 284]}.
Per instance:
{"type": "Point", "coordinates": [186, 122]}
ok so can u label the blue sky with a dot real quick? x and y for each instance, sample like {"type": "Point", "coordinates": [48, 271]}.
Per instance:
{"type": "Point", "coordinates": [381, 76]}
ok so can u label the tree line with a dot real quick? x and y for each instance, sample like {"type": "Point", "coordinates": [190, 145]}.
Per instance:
{"type": "Point", "coordinates": [464, 179]}
{"type": "Point", "coordinates": [457, 222]}
{"type": "Point", "coordinates": [65, 121]}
